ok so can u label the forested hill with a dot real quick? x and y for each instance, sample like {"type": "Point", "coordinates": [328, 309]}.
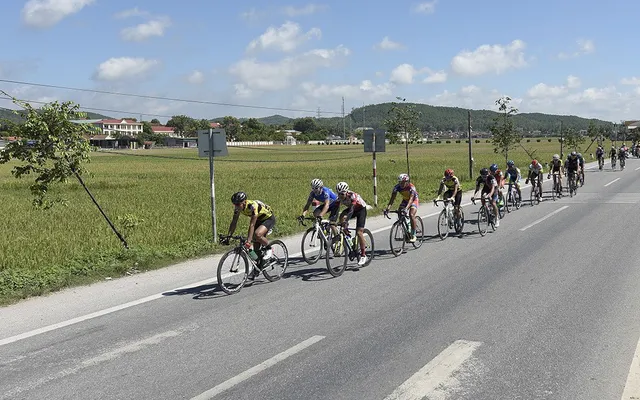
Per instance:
{"type": "Point", "coordinates": [8, 115]}
{"type": "Point", "coordinates": [437, 118]}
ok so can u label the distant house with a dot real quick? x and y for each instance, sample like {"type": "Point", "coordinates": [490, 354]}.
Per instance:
{"type": "Point", "coordinates": [124, 127]}
{"type": "Point", "coordinates": [113, 133]}
{"type": "Point", "coordinates": [215, 125]}
{"type": "Point", "coordinates": [164, 130]}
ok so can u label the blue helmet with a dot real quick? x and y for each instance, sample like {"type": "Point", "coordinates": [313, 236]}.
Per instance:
{"type": "Point", "coordinates": [493, 167]}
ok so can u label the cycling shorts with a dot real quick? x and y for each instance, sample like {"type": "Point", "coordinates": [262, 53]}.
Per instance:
{"type": "Point", "coordinates": [360, 215]}
{"type": "Point", "coordinates": [269, 223]}
{"type": "Point", "coordinates": [414, 204]}
{"type": "Point", "coordinates": [492, 198]}
{"type": "Point", "coordinates": [457, 201]}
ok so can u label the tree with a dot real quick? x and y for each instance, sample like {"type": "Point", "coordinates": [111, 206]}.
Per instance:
{"type": "Point", "coordinates": [180, 124]}
{"type": "Point", "coordinates": [155, 122]}
{"type": "Point", "coordinates": [253, 127]}
{"type": "Point", "coordinates": [51, 149]}
{"type": "Point", "coordinates": [573, 139]}
{"type": "Point", "coordinates": [232, 127]}
{"type": "Point", "coordinates": [403, 119]}
{"type": "Point", "coordinates": [305, 125]}
{"type": "Point", "coordinates": [504, 134]}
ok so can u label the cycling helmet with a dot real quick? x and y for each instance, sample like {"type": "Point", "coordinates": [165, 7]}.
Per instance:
{"type": "Point", "coordinates": [342, 187]}
{"type": "Point", "coordinates": [534, 162]}
{"type": "Point", "coordinates": [493, 167]}
{"type": "Point", "coordinates": [448, 173]}
{"type": "Point", "coordinates": [403, 178]}
{"type": "Point", "coordinates": [556, 157]}
{"type": "Point", "coordinates": [238, 197]}
{"type": "Point", "coordinates": [574, 154]}
{"type": "Point", "coordinates": [579, 154]}
{"type": "Point", "coordinates": [510, 163]}
{"type": "Point", "coordinates": [484, 172]}
{"type": "Point", "coordinates": [316, 184]}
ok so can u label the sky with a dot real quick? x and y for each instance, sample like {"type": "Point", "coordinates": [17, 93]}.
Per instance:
{"type": "Point", "coordinates": [253, 59]}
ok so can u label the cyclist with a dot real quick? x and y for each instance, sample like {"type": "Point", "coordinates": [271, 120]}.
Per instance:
{"type": "Point", "coordinates": [581, 167]}
{"type": "Point", "coordinates": [600, 156]}
{"type": "Point", "coordinates": [622, 154]}
{"type": "Point", "coordinates": [613, 153]}
{"type": "Point", "coordinates": [495, 171]}
{"type": "Point", "coordinates": [513, 175]}
{"type": "Point", "coordinates": [572, 164]}
{"type": "Point", "coordinates": [490, 188]}
{"type": "Point", "coordinates": [261, 222]}
{"type": "Point", "coordinates": [535, 174]}
{"type": "Point", "coordinates": [356, 208]}
{"type": "Point", "coordinates": [327, 198]}
{"type": "Point", "coordinates": [454, 190]}
{"type": "Point", "coordinates": [409, 201]}
{"type": "Point", "coordinates": [556, 168]}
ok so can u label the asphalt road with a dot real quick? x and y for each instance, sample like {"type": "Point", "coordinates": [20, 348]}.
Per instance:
{"type": "Point", "coordinates": [546, 307]}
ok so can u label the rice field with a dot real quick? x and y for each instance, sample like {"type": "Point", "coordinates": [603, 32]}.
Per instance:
{"type": "Point", "coordinates": [168, 192]}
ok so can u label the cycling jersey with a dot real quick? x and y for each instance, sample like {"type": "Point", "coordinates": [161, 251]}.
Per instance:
{"type": "Point", "coordinates": [256, 207]}
{"type": "Point", "coordinates": [613, 152]}
{"type": "Point", "coordinates": [581, 161]}
{"type": "Point", "coordinates": [535, 171]}
{"type": "Point", "coordinates": [353, 199]}
{"type": "Point", "coordinates": [556, 165]}
{"type": "Point", "coordinates": [571, 164]}
{"type": "Point", "coordinates": [488, 183]}
{"type": "Point", "coordinates": [499, 178]}
{"type": "Point", "coordinates": [450, 183]}
{"type": "Point", "coordinates": [599, 152]}
{"type": "Point", "coordinates": [406, 192]}
{"type": "Point", "coordinates": [513, 174]}
{"type": "Point", "coordinates": [324, 195]}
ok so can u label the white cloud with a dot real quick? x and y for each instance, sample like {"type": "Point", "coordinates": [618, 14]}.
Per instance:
{"type": "Point", "coordinates": [132, 12]}
{"type": "Point", "coordinates": [428, 7]}
{"type": "Point", "coordinates": [490, 58]}
{"type": "Point", "coordinates": [573, 82]}
{"type": "Point", "coordinates": [542, 90]}
{"type": "Point", "coordinates": [279, 75]}
{"type": "Point", "coordinates": [196, 77]}
{"type": "Point", "coordinates": [584, 47]}
{"type": "Point", "coordinates": [242, 91]}
{"type": "Point", "coordinates": [436, 77]}
{"type": "Point", "coordinates": [251, 15]}
{"type": "Point", "coordinates": [141, 32]}
{"type": "Point", "coordinates": [286, 38]}
{"type": "Point", "coordinates": [379, 74]}
{"type": "Point", "coordinates": [311, 94]}
{"type": "Point", "coordinates": [124, 68]}
{"type": "Point", "coordinates": [47, 13]}
{"type": "Point", "coordinates": [403, 74]}
{"type": "Point", "coordinates": [630, 81]}
{"type": "Point", "coordinates": [388, 44]}
{"type": "Point", "coordinates": [309, 9]}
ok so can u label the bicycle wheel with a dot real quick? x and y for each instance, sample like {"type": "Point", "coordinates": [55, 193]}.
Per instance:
{"type": "Point", "coordinates": [518, 200]}
{"type": "Point", "coordinates": [483, 220]}
{"type": "Point", "coordinates": [532, 196]}
{"type": "Point", "coordinates": [501, 208]}
{"type": "Point", "coordinates": [368, 247]}
{"type": "Point", "coordinates": [443, 224]}
{"type": "Point", "coordinates": [508, 200]}
{"type": "Point", "coordinates": [312, 246]}
{"type": "Point", "coordinates": [538, 196]}
{"type": "Point", "coordinates": [458, 222]}
{"type": "Point", "coordinates": [277, 265]}
{"type": "Point", "coordinates": [337, 255]}
{"type": "Point", "coordinates": [553, 191]}
{"type": "Point", "coordinates": [397, 237]}
{"type": "Point", "coordinates": [419, 233]}
{"type": "Point", "coordinates": [237, 269]}
{"type": "Point", "coordinates": [581, 178]}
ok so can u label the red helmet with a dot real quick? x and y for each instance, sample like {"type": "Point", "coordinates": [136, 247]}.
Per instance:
{"type": "Point", "coordinates": [534, 162]}
{"type": "Point", "coordinates": [448, 173]}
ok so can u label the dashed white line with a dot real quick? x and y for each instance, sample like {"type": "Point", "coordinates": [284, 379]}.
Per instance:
{"type": "Point", "coordinates": [637, 168]}
{"type": "Point", "coordinates": [229, 383]}
{"type": "Point", "coordinates": [543, 218]}
{"type": "Point", "coordinates": [613, 181]}
{"type": "Point", "coordinates": [632, 387]}
{"type": "Point", "coordinates": [433, 380]}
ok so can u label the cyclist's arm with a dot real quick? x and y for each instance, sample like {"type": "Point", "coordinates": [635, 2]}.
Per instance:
{"type": "Point", "coordinates": [306, 206]}
{"type": "Point", "coordinates": [252, 227]}
{"type": "Point", "coordinates": [456, 188]}
{"type": "Point", "coordinates": [234, 221]}
{"type": "Point", "coordinates": [410, 201]}
{"type": "Point", "coordinates": [392, 199]}
{"type": "Point", "coordinates": [327, 203]}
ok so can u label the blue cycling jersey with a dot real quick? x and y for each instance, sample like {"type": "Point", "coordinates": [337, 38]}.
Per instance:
{"type": "Point", "coordinates": [325, 194]}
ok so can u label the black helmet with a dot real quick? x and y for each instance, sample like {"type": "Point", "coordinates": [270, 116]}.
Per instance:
{"type": "Point", "coordinates": [484, 172]}
{"type": "Point", "coordinates": [238, 197]}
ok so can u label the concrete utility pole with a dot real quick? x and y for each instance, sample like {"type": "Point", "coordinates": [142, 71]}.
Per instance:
{"type": "Point", "coordinates": [344, 125]}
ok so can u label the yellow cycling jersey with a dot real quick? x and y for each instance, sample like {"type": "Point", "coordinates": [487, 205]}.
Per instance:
{"type": "Point", "coordinates": [450, 183]}
{"type": "Point", "coordinates": [555, 165]}
{"type": "Point", "coordinates": [256, 207]}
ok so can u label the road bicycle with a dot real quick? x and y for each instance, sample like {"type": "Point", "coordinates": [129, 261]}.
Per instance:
{"type": "Point", "coordinates": [613, 163]}
{"type": "Point", "coordinates": [448, 219]}
{"type": "Point", "coordinates": [248, 264]}
{"type": "Point", "coordinates": [556, 191]}
{"type": "Point", "coordinates": [486, 216]}
{"type": "Point", "coordinates": [580, 176]}
{"type": "Point", "coordinates": [622, 163]}
{"type": "Point", "coordinates": [346, 245]}
{"type": "Point", "coordinates": [600, 162]}
{"type": "Point", "coordinates": [400, 233]}
{"type": "Point", "coordinates": [514, 201]}
{"type": "Point", "coordinates": [315, 239]}
{"type": "Point", "coordinates": [536, 191]}
{"type": "Point", "coordinates": [573, 187]}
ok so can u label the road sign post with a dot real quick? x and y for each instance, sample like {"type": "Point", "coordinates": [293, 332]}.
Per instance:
{"type": "Point", "coordinates": [374, 141]}
{"type": "Point", "coordinates": [212, 143]}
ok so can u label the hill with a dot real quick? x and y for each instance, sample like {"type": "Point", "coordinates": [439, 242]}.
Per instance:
{"type": "Point", "coordinates": [439, 118]}
{"type": "Point", "coordinates": [8, 115]}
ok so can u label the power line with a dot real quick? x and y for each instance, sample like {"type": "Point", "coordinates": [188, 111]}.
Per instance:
{"type": "Point", "coordinates": [144, 96]}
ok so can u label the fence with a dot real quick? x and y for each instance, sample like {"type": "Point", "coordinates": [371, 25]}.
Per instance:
{"type": "Point", "coordinates": [237, 144]}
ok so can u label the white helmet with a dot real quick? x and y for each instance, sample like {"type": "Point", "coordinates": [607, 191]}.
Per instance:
{"type": "Point", "coordinates": [403, 178]}
{"type": "Point", "coordinates": [556, 157]}
{"type": "Point", "coordinates": [342, 187]}
{"type": "Point", "coordinates": [316, 184]}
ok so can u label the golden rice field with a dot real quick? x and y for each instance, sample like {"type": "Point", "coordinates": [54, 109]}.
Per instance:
{"type": "Point", "coordinates": [168, 191]}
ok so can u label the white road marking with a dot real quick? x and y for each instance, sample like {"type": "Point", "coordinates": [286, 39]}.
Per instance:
{"type": "Point", "coordinates": [632, 387]}
{"type": "Point", "coordinates": [637, 168]}
{"type": "Point", "coordinates": [613, 181]}
{"type": "Point", "coordinates": [104, 357]}
{"type": "Point", "coordinates": [434, 378]}
{"type": "Point", "coordinates": [228, 384]}
{"type": "Point", "coordinates": [543, 218]}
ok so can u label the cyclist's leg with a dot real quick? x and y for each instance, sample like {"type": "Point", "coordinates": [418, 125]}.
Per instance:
{"type": "Point", "coordinates": [318, 210]}
{"type": "Point", "coordinates": [361, 218]}
{"type": "Point", "coordinates": [457, 202]}
{"type": "Point", "coordinates": [333, 217]}
{"type": "Point", "coordinates": [413, 210]}
{"type": "Point", "coordinates": [260, 235]}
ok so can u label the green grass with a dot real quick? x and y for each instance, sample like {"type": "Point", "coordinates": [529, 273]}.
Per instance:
{"type": "Point", "coordinates": [43, 251]}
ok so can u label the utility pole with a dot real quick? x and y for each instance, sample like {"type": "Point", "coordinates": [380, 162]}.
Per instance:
{"type": "Point", "coordinates": [364, 124]}
{"type": "Point", "coordinates": [344, 125]}
{"type": "Point", "coordinates": [561, 142]}
{"type": "Point", "coordinates": [470, 156]}
{"type": "Point", "coordinates": [318, 116]}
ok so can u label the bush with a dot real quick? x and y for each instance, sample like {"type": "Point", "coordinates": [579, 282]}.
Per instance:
{"type": "Point", "coordinates": [448, 141]}
{"type": "Point", "coordinates": [457, 141]}
{"type": "Point", "coordinates": [549, 140]}
{"type": "Point", "coordinates": [538, 140]}
{"type": "Point", "coordinates": [528, 140]}
{"type": "Point", "coordinates": [438, 141]}
{"type": "Point", "coordinates": [477, 141]}
{"type": "Point", "coordinates": [429, 141]}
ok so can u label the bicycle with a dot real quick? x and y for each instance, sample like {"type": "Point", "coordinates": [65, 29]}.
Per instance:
{"type": "Point", "coordinates": [513, 198]}
{"type": "Point", "coordinates": [600, 163]}
{"type": "Point", "coordinates": [448, 219]}
{"type": "Point", "coordinates": [613, 163]}
{"type": "Point", "coordinates": [536, 191]}
{"type": "Point", "coordinates": [622, 163]}
{"type": "Point", "coordinates": [244, 265]}
{"type": "Point", "coordinates": [573, 187]}
{"type": "Point", "coordinates": [401, 231]}
{"type": "Point", "coordinates": [332, 245]}
{"type": "Point", "coordinates": [556, 191]}
{"type": "Point", "coordinates": [348, 246]}
{"type": "Point", "coordinates": [486, 217]}
{"type": "Point", "coordinates": [580, 176]}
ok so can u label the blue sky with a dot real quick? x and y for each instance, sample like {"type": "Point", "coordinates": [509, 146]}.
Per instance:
{"type": "Point", "coordinates": [549, 56]}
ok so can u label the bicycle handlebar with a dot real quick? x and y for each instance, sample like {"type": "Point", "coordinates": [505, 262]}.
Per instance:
{"type": "Point", "coordinates": [445, 201]}
{"type": "Point", "coordinates": [386, 213]}
{"type": "Point", "coordinates": [225, 238]}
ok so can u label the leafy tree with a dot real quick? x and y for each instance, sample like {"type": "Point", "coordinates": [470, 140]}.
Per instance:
{"type": "Point", "coordinates": [305, 125]}
{"type": "Point", "coordinates": [253, 127]}
{"type": "Point", "coordinates": [51, 149]}
{"type": "Point", "coordinates": [180, 124]}
{"type": "Point", "coordinates": [155, 121]}
{"type": "Point", "coordinates": [232, 127]}
{"type": "Point", "coordinates": [573, 139]}
{"type": "Point", "coordinates": [505, 136]}
{"type": "Point", "coordinates": [403, 119]}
